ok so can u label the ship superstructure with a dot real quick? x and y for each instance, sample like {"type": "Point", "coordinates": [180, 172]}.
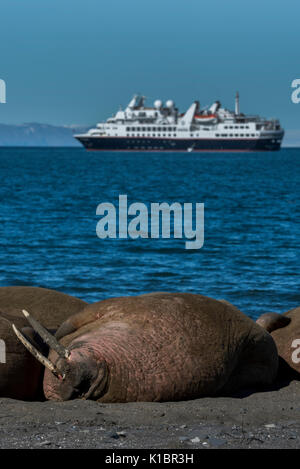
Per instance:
{"type": "Point", "coordinates": [163, 128]}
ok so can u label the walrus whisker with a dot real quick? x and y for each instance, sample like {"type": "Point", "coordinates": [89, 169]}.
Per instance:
{"type": "Point", "coordinates": [43, 360]}
{"type": "Point", "coordinates": [48, 338]}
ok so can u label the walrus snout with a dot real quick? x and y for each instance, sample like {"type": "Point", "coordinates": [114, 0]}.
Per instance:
{"type": "Point", "coordinates": [73, 372]}
{"type": "Point", "coordinates": [84, 377]}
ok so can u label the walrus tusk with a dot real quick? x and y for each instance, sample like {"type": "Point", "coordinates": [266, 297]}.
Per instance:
{"type": "Point", "coordinates": [43, 360]}
{"type": "Point", "coordinates": [46, 336]}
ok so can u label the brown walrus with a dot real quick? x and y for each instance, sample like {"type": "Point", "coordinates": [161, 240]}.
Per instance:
{"type": "Point", "coordinates": [273, 321]}
{"type": "Point", "coordinates": [157, 347]}
{"type": "Point", "coordinates": [20, 373]}
{"type": "Point", "coordinates": [285, 330]}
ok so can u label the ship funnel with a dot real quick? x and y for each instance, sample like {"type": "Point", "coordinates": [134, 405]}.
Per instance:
{"type": "Point", "coordinates": [132, 103]}
{"type": "Point", "coordinates": [237, 103]}
{"type": "Point", "coordinates": [140, 101]}
{"type": "Point", "coordinates": [214, 107]}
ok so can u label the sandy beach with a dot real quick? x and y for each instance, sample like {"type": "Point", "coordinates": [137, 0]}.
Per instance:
{"type": "Point", "coordinates": [269, 419]}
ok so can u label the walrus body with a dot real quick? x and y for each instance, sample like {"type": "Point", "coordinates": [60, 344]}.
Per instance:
{"type": "Point", "coordinates": [273, 321]}
{"type": "Point", "coordinates": [160, 347]}
{"type": "Point", "coordinates": [20, 373]}
{"type": "Point", "coordinates": [287, 339]}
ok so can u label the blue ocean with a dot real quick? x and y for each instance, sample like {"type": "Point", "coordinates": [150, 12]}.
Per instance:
{"type": "Point", "coordinates": [250, 256]}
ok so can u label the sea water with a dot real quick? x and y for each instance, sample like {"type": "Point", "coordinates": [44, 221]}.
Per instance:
{"type": "Point", "coordinates": [251, 250]}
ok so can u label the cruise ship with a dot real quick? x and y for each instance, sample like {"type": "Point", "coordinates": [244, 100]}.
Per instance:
{"type": "Point", "coordinates": [163, 128]}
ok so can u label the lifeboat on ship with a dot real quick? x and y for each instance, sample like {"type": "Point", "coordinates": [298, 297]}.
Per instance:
{"type": "Point", "coordinates": [206, 118]}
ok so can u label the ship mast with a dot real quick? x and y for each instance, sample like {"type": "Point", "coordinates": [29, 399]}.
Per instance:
{"type": "Point", "coordinates": [237, 104]}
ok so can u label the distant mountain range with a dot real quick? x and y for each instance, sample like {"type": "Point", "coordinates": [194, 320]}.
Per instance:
{"type": "Point", "coordinates": [42, 135]}
{"type": "Point", "coordinates": [46, 135]}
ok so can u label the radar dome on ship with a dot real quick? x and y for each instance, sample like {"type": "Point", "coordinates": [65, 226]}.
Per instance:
{"type": "Point", "coordinates": [170, 103]}
{"type": "Point", "coordinates": [158, 104]}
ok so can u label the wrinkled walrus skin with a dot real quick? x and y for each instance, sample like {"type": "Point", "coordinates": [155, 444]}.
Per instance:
{"type": "Point", "coordinates": [21, 375]}
{"type": "Point", "coordinates": [160, 347]}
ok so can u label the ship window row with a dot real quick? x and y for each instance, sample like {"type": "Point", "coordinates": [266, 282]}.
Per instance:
{"type": "Point", "coordinates": [150, 129]}
{"type": "Point", "coordinates": [235, 135]}
{"type": "Point", "coordinates": [236, 127]}
{"type": "Point", "coordinates": [191, 135]}
{"type": "Point", "coordinates": [149, 135]}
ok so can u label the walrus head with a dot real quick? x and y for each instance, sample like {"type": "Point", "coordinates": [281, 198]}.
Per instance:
{"type": "Point", "coordinates": [74, 372]}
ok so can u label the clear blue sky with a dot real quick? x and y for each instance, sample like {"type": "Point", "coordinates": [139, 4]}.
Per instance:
{"type": "Point", "coordinates": [76, 61]}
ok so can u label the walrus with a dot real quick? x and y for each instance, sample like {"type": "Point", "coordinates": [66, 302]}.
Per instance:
{"type": "Point", "coordinates": [20, 374]}
{"type": "Point", "coordinates": [156, 347]}
{"type": "Point", "coordinates": [285, 330]}
{"type": "Point", "coordinates": [273, 321]}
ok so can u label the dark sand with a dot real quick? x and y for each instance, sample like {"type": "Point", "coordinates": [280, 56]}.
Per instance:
{"type": "Point", "coordinates": [260, 420]}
